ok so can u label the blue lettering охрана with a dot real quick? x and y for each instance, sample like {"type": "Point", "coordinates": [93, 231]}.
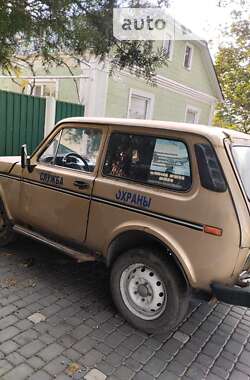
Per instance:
{"type": "Point", "coordinates": [133, 198]}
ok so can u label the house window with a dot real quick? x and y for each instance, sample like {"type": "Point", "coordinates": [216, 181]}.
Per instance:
{"type": "Point", "coordinates": [188, 57]}
{"type": "Point", "coordinates": [192, 115]}
{"type": "Point", "coordinates": [140, 105]}
{"type": "Point", "coordinates": [44, 88]}
{"type": "Point", "coordinates": [168, 46]}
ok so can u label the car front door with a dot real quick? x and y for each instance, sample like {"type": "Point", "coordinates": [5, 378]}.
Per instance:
{"type": "Point", "coordinates": [55, 195]}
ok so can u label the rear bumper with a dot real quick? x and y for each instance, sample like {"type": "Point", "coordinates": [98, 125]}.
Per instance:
{"type": "Point", "coordinates": [233, 295]}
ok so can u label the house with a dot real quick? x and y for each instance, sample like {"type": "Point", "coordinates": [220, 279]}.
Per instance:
{"type": "Point", "coordinates": [187, 89]}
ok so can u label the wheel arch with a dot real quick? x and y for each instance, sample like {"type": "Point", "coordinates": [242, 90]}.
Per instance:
{"type": "Point", "coordinates": [138, 238]}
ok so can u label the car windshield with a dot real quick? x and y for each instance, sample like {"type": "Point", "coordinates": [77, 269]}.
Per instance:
{"type": "Point", "coordinates": [241, 156]}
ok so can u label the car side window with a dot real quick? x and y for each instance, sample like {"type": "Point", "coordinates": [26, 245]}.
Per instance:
{"type": "Point", "coordinates": [149, 160]}
{"type": "Point", "coordinates": [76, 148]}
{"type": "Point", "coordinates": [49, 153]}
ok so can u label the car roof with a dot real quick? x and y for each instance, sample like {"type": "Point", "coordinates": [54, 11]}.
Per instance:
{"type": "Point", "coordinates": [204, 130]}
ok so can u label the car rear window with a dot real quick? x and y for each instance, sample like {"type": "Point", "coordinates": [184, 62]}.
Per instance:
{"type": "Point", "coordinates": [241, 156]}
{"type": "Point", "coordinates": [149, 160]}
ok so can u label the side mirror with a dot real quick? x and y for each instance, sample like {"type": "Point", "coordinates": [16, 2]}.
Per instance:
{"type": "Point", "coordinates": [25, 159]}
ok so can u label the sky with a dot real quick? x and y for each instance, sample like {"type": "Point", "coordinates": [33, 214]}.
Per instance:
{"type": "Point", "coordinates": [205, 18]}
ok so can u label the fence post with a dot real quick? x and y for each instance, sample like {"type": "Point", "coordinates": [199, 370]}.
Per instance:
{"type": "Point", "coordinates": [50, 114]}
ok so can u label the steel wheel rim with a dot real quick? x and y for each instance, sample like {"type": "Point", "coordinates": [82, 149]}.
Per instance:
{"type": "Point", "coordinates": [143, 291]}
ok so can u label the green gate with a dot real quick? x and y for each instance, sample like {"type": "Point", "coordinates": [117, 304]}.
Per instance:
{"type": "Point", "coordinates": [21, 121]}
{"type": "Point", "coordinates": [65, 109]}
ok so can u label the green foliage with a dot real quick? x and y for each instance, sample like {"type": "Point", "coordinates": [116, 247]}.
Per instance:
{"type": "Point", "coordinates": [233, 69]}
{"type": "Point", "coordinates": [48, 29]}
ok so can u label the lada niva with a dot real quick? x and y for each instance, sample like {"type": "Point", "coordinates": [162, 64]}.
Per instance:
{"type": "Point", "coordinates": [165, 205]}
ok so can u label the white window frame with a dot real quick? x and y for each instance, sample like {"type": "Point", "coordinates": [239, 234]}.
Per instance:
{"type": "Point", "coordinates": [143, 94]}
{"type": "Point", "coordinates": [193, 109]}
{"type": "Point", "coordinates": [171, 53]}
{"type": "Point", "coordinates": [40, 82]}
{"type": "Point", "coordinates": [191, 57]}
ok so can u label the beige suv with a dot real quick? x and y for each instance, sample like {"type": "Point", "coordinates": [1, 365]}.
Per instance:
{"type": "Point", "coordinates": [164, 205]}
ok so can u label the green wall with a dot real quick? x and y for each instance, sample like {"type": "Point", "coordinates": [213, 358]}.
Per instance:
{"type": "Point", "coordinates": [168, 105]}
{"type": "Point", "coordinates": [197, 78]}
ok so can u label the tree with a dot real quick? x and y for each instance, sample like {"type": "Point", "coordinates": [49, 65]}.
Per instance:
{"type": "Point", "coordinates": [52, 29]}
{"type": "Point", "coordinates": [233, 69]}
{"type": "Point", "coordinates": [31, 29]}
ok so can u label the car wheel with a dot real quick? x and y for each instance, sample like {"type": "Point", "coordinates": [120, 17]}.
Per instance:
{"type": "Point", "coordinates": [7, 235]}
{"type": "Point", "coordinates": [148, 290]}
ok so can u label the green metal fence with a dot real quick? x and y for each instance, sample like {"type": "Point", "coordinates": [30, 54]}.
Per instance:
{"type": "Point", "coordinates": [21, 121]}
{"type": "Point", "coordinates": [64, 109]}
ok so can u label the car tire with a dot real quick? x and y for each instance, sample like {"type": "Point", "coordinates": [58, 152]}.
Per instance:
{"type": "Point", "coordinates": [7, 235]}
{"type": "Point", "coordinates": [148, 290]}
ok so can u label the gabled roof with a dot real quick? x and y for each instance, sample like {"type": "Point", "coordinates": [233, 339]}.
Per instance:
{"type": "Point", "coordinates": [206, 56]}
{"type": "Point", "coordinates": [211, 69]}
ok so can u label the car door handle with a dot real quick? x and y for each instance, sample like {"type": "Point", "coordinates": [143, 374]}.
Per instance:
{"type": "Point", "coordinates": [81, 185]}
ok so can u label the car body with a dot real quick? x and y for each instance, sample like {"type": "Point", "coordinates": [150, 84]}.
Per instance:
{"type": "Point", "coordinates": [97, 188]}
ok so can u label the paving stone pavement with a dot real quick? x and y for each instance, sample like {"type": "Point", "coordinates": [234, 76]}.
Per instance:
{"type": "Point", "coordinates": [84, 337]}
